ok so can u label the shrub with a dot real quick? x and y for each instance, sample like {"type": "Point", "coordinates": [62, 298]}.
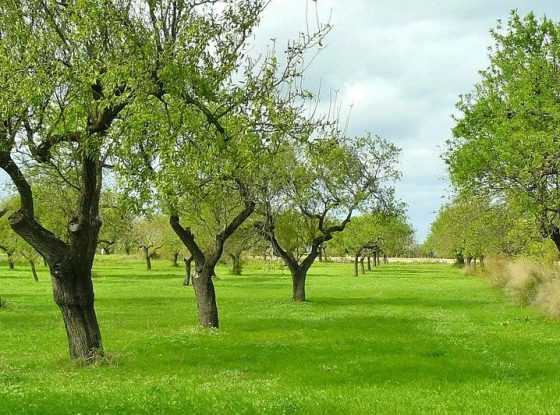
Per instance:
{"type": "Point", "coordinates": [527, 282]}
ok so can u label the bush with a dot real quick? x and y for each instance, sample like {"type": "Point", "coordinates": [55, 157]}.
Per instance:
{"type": "Point", "coordinates": [527, 282]}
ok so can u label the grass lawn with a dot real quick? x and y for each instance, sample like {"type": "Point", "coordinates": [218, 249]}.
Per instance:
{"type": "Point", "coordinates": [403, 339]}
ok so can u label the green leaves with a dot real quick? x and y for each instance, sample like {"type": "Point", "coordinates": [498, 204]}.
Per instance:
{"type": "Point", "coordinates": [506, 140]}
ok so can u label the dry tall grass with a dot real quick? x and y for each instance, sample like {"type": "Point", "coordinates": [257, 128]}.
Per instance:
{"type": "Point", "coordinates": [526, 281]}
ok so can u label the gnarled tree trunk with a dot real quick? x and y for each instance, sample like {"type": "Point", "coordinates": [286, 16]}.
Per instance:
{"type": "Point", "coordinates": [73, 293]}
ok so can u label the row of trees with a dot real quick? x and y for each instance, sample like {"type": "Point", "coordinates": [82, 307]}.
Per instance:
{"type": "Point", "coordinates": [368, 236]}
{"type": "Point", "coordinates": [165, 100]}
{"type": "Point", "coordinates": [504, 157]}
{"type": "Point", "coordinates": [472, 228]}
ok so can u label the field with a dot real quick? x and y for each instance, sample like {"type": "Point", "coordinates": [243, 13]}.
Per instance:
{"type": "Point", "coordinates": [404, 339]}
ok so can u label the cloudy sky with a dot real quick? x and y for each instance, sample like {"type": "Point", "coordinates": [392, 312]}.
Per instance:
{"type": "Point", "coordinates": [402, 65]}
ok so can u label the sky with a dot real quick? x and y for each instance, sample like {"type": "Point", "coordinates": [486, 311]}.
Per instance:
{"type": "Point", "coordinates": [401, 65]}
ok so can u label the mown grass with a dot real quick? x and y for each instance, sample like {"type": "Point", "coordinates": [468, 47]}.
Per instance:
{"type": "Point", "coordinates": [403, 339]}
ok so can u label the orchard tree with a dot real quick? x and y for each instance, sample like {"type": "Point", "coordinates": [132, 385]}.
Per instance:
{"type": "Point", "coordinates": [150, 236]}
{"type": "Point", "coordinates": [68, 71]}
{"type": "Point", "coordinates": [209, 130]}
{"type": "Point", "coordinates": [360, 238]}
{"type": "Point", "coordinates": [246, 238]}
{"type": "Point", "coordinates": [325, 182]}
{"type": "Point", "coordinates": [371, 235]}
{"type": "Point", "coordinates": [506, 141]}
{"type": "Point", "coordinates": [118, 223]}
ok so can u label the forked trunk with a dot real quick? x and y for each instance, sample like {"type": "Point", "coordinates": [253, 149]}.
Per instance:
{"type": "Point", "coordinates": [206, 298]}
{"type": "Point", "coordinates": [33, 270]}
{"type": "Point", "coordinates": [74, 296]}
{"type": "Point", "coordinates": [298, 285]}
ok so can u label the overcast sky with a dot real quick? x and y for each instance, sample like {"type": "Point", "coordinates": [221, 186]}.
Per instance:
{"type": "Point", "coordinates": [402, 64]}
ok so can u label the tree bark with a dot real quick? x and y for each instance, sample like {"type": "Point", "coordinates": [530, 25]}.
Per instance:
{"type": "Point", "coordinates": [206, 298]}
{"type": "Point", "coordinates": [176, 259]}
{"type": "Point", "coordinates": [236, 267]}
{"type": "Point", "coordinates": [356, 260]}
{"type": "Point", "coordinates": [11, 264]}
{"type": "Point", "coordinates": [298, 285]}
{"type": "Point", "coordinates": [362, 265]}
{"type": "Point", "coordinates": [33, 270]}
{"type": "Point", "coordinates": [73, 293]}
{"type": "Point", "coordinates": [188, 263]}
{"type": "Point", "coordinates": [147, 258]}
{"type": "Point", "coordinates": [369, 263]}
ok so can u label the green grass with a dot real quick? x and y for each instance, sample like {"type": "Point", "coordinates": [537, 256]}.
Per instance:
{"type": "Point", "coordinates": [403, 339]}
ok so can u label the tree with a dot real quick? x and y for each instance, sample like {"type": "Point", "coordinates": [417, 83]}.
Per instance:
{"type": "Point", "coordinates": [244, 239]}
{"type": "Point", "coordinates": [371, 235]}
{"type": "Point", "coordinates": [331, 178]}
{"type": "Point", "coordinates": [212, 126]}
{"type": "Point", "coordinates": [150, 236]}
{"type": "Point", "coordinates": [68, 70]}
{"type": "Point", "coordinates": [118, 222]}
{"type": "Point", "coordinates": [505, 142]}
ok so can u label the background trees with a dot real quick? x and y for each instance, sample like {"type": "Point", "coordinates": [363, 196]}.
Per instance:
{"type": "Point", "coordinates": [506, 139]}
